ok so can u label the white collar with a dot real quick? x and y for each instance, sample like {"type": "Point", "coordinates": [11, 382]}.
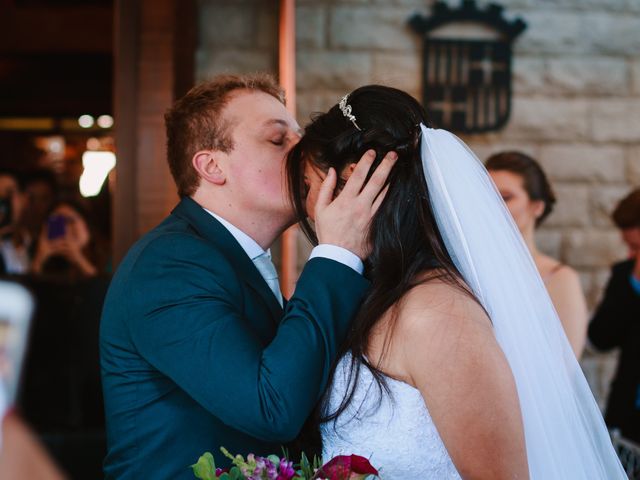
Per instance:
{"type": "Point", "coordinates": [248, 244]}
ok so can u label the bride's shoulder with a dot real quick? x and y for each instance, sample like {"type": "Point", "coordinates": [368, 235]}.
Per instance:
{"type": "Point", "coordinates": [438, 321]}
{"type": "Point", "coordinates": [437, 303]}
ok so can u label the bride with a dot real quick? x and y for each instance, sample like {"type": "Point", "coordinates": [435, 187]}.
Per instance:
{"type": "Point", "coordinates": [456, 365]}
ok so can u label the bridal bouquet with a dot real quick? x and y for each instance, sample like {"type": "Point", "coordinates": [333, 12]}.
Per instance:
{"type": "Point", "coordinates": [343, 467]}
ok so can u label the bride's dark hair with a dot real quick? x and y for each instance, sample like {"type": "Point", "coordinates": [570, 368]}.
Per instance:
{"type": "Point", "coordinates": [407, 248]}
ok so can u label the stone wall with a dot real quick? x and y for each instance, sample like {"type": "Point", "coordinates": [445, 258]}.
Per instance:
{"type": "Point", "coordinates": [576, 104]}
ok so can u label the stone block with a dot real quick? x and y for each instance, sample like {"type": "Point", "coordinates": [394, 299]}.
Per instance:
{"type": "Point", "coordinates": [586, 280]}
{"type": "Point", "coordinates": [635, 75]}
{"type": "Point", "coordinates": [598, 33]}
{"type": "Point", "coordinates": [226, 25]}
{"type": "Point", "coordinates": [589, 5]}
{"type": "Point", "coordinates": [633, 165]}
{"type": "Point", "coordinates": [551, 31]}
{"type": "Point", "coordinates": [571, 208]}
{"type": "Point", "coordinates": [543, 118]}
{"type": "Point", "coordinates": [332, 70]}
{"type": "Point", "coordinates": [344, 2]}
{"type": "Point", "coordinates": [314, 101]}
{"type": "Point", "coordinates": [403, 71]}
{"type": "Point", "coordinates": [267, 24]}
{"type": "Point", "coordinates": [583, 162]}
{"type": "Point", "coordinates": [528, 75]}
{"type": "Point", "coordinates": [415, 3]}
{"type": "Point", "coordinates": [510, 5]}
{"type": "Point", "coordinates": [484, 149]}
{"type": "Point", "coordinates": [310, 26]}
{"type": "Point", "coordinates": [549, 241]}
{"type": "Point", "coordinates": [214, 62]}
{"type": "Point", "coordinates": [601, 277]}
{"type": "Point", "coordinates": [587, 76]}
{"type": "Point", "coordinates": [379, 28]}
{"type": "Point", "coordinates": [603, 200]}
{"type": "Point", "coordinates": [599, 370]}
{"type": "Point", "coordinates": [616, 120]}
{"type": "Point", "coordinates": [586, 31]}
{"type": "Point", "coordinates": [592, 248]}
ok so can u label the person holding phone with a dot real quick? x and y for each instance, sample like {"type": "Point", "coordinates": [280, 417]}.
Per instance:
{"type": "Point", "coordinates": [66, 246]}
{"type": "Point", "coordinates": [14, 238]}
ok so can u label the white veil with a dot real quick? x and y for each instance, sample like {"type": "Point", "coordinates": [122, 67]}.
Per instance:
{"type": "Point", "coordinates": [566, 437]}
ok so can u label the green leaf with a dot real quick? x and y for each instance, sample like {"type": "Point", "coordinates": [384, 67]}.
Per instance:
{"type": "Point", "coordinates": [275, 460]}
{"type": "Point", "coordinates": [235, 474]}
{"type": "Point", "coordinates": [205, 467]}
{"type": "Point", "coordinates": [226, 453]}
{"type": "Point", "coordinates": [305, 468]}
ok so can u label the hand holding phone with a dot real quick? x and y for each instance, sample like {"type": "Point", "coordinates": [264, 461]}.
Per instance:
{"type": "Point", "coordinates": [56, 227]}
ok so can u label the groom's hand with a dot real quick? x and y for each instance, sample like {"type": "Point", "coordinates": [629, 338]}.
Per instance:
{"type": "Point", "coordinates": [344, 221]}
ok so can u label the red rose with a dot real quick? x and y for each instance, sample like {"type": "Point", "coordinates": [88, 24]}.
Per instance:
{"type": "Point", "coordinates": [345, 467]}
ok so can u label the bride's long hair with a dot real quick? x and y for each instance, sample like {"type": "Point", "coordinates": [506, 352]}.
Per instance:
{"type": "Point", "coordinates": [406, 245]}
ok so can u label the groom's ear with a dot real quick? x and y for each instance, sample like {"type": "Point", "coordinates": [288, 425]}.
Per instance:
{"type": "Point", "coordinates": [207, 164]}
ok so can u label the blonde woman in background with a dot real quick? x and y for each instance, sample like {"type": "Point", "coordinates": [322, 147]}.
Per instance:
{"type": "Point", "coordinates": [530, 199]}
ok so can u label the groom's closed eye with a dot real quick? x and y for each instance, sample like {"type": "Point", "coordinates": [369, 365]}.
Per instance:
{"type": "Point", "coordinates": [279, 140]}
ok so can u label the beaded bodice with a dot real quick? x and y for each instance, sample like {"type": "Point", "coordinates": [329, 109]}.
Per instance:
{"type": "Point", "coordinates": [394, 431]}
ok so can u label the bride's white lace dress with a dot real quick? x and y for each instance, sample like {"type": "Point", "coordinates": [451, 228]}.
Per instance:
{"type": "Point", "coordinates": [394, 431]}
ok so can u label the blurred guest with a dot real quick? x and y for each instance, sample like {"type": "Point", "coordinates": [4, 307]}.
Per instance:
{"type": "Point", "coordinates": [530, 199]}
{"type": "Point", "coordinates": [616, 323]}
{"type": "Point", "coordinates": [41, 189]}
{"type": "Point", "coordinates": [14, 238]}
{"type": "Point", "coordinates": [66, 246]}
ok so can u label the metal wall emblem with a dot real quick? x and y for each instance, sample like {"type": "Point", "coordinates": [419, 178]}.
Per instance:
{"type": "Point", "coordinates": [467, 81]}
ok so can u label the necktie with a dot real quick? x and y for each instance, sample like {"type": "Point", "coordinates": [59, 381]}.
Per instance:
{"type": "Point", "coordinates": [268, 271]}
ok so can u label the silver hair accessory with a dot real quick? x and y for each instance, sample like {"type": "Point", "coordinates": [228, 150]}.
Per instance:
{"type": "Point", "coordinates": [345, 108]}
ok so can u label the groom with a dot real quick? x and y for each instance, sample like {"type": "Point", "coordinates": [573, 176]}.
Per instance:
{"type": "Point", "coordinates": [198, 348]}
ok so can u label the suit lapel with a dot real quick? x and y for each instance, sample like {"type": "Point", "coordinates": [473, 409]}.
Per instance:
{"type": "Point", "coordinates": [212, 230]}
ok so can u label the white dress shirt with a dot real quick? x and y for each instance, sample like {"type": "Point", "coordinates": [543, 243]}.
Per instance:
{"type": "Point", "coordinates": [253, 250]}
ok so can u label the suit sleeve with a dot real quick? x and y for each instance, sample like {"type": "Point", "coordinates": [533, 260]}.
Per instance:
{"type": "Point", "coordinates": [607, 328]}
{"type": "Point", "coordinates": [190, 327]}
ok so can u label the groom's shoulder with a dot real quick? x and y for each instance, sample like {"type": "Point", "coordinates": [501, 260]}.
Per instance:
{"type": "Point", "coordinates": [173, 240]}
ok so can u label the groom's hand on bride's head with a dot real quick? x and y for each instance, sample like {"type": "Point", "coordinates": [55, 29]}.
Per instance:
{"type": "Point", "coordinates": [344, 221]}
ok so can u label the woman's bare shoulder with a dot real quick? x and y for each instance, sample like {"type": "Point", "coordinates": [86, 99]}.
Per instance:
{"type": "Point", "coordinates": [564, 278]}
{"type": "Point", "coordinates": [440, 306]}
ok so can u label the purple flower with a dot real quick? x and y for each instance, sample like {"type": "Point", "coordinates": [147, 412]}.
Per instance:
{"type": "Point", "coordinates": [265, 470]}
{"type": "Point", "coordinates": [286, 471]}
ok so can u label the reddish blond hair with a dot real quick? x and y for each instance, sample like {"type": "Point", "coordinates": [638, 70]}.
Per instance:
{"type": "Point", "coordinates": [195, 123]}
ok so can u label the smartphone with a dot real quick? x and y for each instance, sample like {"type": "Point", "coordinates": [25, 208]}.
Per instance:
{"type": "Point", "coordinates": [56, 227]}
{"type": "Point", "coordinates": [16, 308]}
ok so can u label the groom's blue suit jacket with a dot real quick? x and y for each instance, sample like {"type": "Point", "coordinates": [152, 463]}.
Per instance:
{"type": "Point", "coordinates": [196, 352]}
